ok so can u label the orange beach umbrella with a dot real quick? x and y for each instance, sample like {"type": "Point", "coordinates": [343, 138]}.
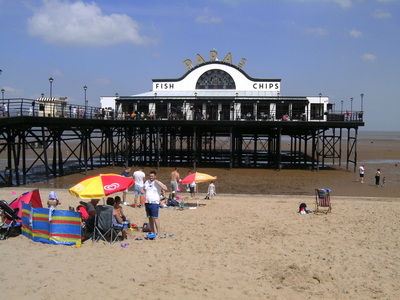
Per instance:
{"type": "Point", "coordinates": [98, 186]}
{"type": "Point", "coordinates": [198, 177]}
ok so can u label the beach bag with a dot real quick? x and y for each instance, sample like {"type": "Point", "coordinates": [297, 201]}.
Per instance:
{"type": "Point", "coordinates": [146, 227]}
{"type": "Point", "coordinates": [172, 202]}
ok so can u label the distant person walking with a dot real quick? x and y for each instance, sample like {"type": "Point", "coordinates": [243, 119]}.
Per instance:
{"type": "Point", "coordinates": [377, 177]}
{"type": "Point", "coordinates": [5, 110]}
{"type": "Point", "coordinates": [362, 172]}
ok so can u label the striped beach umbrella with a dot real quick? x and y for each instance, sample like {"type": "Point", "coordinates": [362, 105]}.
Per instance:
{"type": "Point", "coordinates": [198, 177]}
{"type": "Point", "coordinates": [99, 186]}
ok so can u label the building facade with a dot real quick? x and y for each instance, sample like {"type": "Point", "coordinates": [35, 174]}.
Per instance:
{"type": "Point", "coordinates": [219, 90]}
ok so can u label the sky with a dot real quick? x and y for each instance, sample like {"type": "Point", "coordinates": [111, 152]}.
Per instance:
{"type": "Point", "coordinates": [340, 48]}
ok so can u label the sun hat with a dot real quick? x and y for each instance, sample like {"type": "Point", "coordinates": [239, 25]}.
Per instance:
{"type": "Point", "coordinates": [53, 196]}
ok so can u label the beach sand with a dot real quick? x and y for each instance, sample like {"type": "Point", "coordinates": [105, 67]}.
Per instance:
{"type": "Point", "coordinates": [248, 242]}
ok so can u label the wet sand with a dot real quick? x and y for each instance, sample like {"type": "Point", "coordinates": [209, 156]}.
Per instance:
{"type": "Point", "coordinates": [248, 242]}
{"type": "Point", "coordinates": [373, 150]}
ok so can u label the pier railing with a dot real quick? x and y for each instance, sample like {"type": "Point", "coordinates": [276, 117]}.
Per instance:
{"type": "Point", "coordinates": [59, 108]}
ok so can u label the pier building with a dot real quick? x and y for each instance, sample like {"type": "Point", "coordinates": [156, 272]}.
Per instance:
{"type": "Point", "coordinates": [214, 115]}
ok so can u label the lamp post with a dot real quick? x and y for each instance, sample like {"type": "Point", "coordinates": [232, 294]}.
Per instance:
{"type": "Point", "coordinates": [51, 86]}
{"type": "Point", "coordinates": [341, 106]}
{"type": "Point", "coordinates": [351, 108]}
{"type": "Point", "coordinates": [351, 105]}
{"type": "Point", "coordinates": [362, 102]}
{"type": "Point", "coordinates": [51, 92]}
{"type": "Point", "coordinates": [86, 102]}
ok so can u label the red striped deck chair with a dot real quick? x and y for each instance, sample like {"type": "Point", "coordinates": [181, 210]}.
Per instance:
{"type": "Point", "coordinates": [323, 200]}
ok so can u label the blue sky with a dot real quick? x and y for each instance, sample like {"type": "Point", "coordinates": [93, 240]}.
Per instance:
{"type": "Point", "coordinates": [340, 48]}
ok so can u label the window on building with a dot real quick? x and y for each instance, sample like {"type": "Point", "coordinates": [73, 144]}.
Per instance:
{"type": "Point", "coordinates": [317, 111]}
{"type": "Point", "coordinates": [263, 111]}
{"type": "Point", "coordinates": [215, 79]}
{"type": "Point", "coordinates": [298, 111]}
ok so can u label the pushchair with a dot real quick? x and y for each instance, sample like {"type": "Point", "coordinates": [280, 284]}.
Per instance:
{"type": "Point", "coordinates": [10, 225]}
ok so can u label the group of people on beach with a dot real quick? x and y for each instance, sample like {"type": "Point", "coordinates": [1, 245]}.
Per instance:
{"type": "Point", "coordinates": [377, 176]}
{"type": "Point", "coordinates": [151, 193]}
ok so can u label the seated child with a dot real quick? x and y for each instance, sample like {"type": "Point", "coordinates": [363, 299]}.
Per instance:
{"type": "Point", "coordinates": [53, 201]}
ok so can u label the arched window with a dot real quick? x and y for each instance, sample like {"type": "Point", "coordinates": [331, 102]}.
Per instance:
{"type": "Point", "coordinates": [215, 79]}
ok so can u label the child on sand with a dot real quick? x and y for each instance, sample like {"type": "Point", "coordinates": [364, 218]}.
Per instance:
{"type": "Point", "coordinates": [211, 191]}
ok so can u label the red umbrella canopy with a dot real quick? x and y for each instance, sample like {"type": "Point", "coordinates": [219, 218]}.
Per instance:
{"type": "Point", "coordinates": [198, 177]}
{"type": "Point", "coordinates": [100, 185]}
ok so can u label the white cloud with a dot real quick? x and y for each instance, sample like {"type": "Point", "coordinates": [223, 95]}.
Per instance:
{"type": "Point", "coordinates": [206, 18]}
{"type": "Point", "coordinates": [344, 3]}
{"type": "Point", "coordinates": [62, 22]}
{"type": "Point", "coordinates": [381, 14]}
{"type": "Point", "coordinates": [13, 91]}
{"type": "Point", "coordinates": [368, 57]}
{"type": "Point", "coordinates": [57, 73]}
{"type": "Point", "coordinates": [355, 33]}
{"type": "Point", "coordinates": [102, 81]}
{"type": "Point", "coordinates": [317, 31]}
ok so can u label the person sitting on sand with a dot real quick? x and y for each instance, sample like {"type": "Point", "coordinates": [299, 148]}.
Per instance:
{"type": "Point", "coordinates": [91, 207]}
{"type": "Point", "coordinates": [53, 201]}
{"type": "Point", "coordinates": [117, 221]}
{"type": "Point", "coordinates": [91, 210]}
{"type": "Point", "coordinates": [118, 206]}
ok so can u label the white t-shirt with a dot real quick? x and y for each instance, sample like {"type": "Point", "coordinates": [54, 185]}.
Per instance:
{"type": "Point", "coordinates": [362, 170]}
{"type": "Point", "coordinates": [139, 176]}
{"type": "Point", "coordinates": [152, 193]}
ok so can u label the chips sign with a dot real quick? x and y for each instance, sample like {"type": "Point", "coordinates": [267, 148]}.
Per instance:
{"type": "Point", "coordinates": [213, 57]}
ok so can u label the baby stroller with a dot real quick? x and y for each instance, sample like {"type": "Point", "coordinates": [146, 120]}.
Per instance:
{"type": "Point", "coordinates": [10, 225]}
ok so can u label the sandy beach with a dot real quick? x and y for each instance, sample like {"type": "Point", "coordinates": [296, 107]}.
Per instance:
{"type": "Point", "coordinates": [248, 242]}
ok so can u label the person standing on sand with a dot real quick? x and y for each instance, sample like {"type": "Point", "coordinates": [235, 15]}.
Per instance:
{"type": "Point", "coordinates": [174, 179]}
{"type": "Point", "coordinates": [125, 173]}
{"type": "Point", "coordinates": [139, 177]}
{"type": "Point", "coordinates": [152, 189]}
{"type": "Point", "coordinates": [192, 187]}
{"type": "Point", "coordinates": [362, 172]}
{"type": "Point", "coordinates": [377, 177]}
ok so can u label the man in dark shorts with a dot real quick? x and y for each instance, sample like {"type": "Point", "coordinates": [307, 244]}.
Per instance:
{"type": "Point", "coordinates": [152, 189]}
